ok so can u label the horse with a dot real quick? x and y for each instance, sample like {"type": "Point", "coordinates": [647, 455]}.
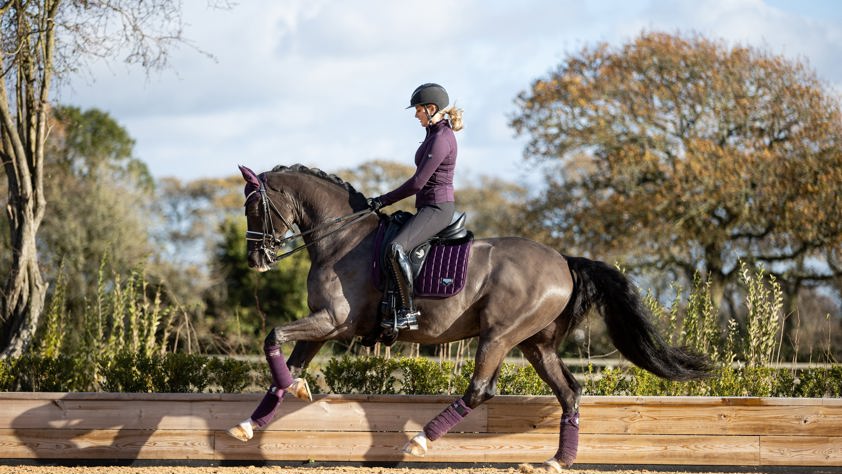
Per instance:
{"type": "Point", "coordinates": [519, 294]}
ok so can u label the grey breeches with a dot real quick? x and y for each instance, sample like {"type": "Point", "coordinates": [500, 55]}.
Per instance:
{"type": "Point", "coordinates": [427, 222]}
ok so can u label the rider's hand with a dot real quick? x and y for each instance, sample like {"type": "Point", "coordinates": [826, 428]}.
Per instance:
{"type": "Point", "coordinates": [375, 204]}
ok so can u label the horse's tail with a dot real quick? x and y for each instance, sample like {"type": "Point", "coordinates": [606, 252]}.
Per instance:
{"type": "Point", "coordinates": [632, 332]}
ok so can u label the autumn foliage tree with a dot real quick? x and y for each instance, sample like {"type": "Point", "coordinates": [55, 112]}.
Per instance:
{"type": "Point", "coordinates": [677, 152]}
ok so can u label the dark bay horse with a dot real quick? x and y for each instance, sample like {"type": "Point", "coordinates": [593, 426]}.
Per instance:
{"type": "Point", "coordinates": [519, 294]}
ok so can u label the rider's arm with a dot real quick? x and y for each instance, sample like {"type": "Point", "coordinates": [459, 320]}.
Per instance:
{"type": "Point", "coordinates": [437, 151]}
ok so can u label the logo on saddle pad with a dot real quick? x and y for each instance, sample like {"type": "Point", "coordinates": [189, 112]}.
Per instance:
{"type": "Point", "coordinates": [440, 266]}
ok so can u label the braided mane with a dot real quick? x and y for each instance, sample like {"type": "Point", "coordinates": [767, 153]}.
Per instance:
{"type": "Point", "coordinates": [331, 178]}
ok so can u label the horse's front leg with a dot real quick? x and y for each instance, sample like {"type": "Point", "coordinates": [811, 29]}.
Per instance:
{"type": "Point", "coordinates": [310, 334]}
{"type": "Point", "coordinates": [317, 326]}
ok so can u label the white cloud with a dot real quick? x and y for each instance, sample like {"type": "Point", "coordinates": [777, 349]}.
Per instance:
{"type": "Point", "coordinates": [326, 82]}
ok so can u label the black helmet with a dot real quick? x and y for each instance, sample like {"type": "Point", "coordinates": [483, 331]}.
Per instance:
{"type": "Point", "coordinates": [429, 93]}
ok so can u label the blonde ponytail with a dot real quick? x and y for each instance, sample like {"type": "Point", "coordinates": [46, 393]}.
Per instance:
{"type": "Point", "coordinates": [454, 114]}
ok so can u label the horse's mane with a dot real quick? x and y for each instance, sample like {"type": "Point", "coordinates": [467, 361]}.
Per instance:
{"type": "Point", "coordinates": [331, 178]}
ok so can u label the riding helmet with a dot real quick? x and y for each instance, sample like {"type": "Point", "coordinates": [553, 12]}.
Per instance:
{"type": "Point", "coordinates": [429, 93]}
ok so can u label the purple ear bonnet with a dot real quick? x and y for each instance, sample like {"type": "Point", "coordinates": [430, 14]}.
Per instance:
{"type": "Point", "coordinates": [252, 180]}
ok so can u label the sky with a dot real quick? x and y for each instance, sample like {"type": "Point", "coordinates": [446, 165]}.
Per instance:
{"type": "Point", "coordinates": [327, 83]}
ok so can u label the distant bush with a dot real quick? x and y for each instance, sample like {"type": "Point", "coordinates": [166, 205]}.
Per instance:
{"type": "Point", "coordinates": [375, 375]}
{"type": "Point", "coordinates": [132, 372]}
{"type": "Point", "coordinates": [361, 375]}
{"type": "Point", "coordinates": [123, 347]}
{"type": "Point", "coordinates": [190, 373]}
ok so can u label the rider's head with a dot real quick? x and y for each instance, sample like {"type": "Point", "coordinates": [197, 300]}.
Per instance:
{"type": "Point", "coordinates": [431, 104]}
{"type": "Point", "coordinates": [430, 94]}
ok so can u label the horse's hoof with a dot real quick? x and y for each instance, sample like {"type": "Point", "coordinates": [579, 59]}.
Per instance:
{"type": "Point", "coordinates": [551, 465]}
{"type": "Point", "coordinates": [242, 431]}
{"type": "Point", "coordinates": [300, 389]}
{"type": "Point", "coordinates": [417, 446]}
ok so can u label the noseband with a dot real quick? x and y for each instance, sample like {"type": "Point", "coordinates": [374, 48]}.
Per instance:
{"type": "Point", "coordinates": [269, 244]}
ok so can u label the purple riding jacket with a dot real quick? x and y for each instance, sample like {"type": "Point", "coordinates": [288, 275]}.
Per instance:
{"type": "Point", "coordinates": [435, 163]}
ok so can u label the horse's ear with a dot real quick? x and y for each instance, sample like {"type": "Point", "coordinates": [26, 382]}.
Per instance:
{"type": "Point", "coordinates": [249, 176]}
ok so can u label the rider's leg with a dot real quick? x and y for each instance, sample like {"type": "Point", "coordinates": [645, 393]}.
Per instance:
{"type": "Point", "coordinates": [427, 222]}
{"type": "Point", "coordinates": [401, 269]}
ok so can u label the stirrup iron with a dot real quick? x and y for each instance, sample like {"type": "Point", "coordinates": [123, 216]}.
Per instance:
{"type": "Point", "coordinates": [407, 319]}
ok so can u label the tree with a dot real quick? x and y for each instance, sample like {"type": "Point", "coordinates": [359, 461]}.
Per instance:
{"type": "Point", "coordinates": [192, 214]}
{"type": "Point", "coordinates": [202, 235]}
{"type": "Point", "coordinates": [681, 153]}
{"type": "Point", "coordinates": [100, 197]}
{"type": "Point", "coordinates": [493, 208]}
{"type": "Point", "coordinates": [245, 300]}
{"type": "Point", "coordinates": [377, 177]}
{"type": "Point", "coordinates": [187, 237]}
{"type": "Point", "coordinates": [40, 40]}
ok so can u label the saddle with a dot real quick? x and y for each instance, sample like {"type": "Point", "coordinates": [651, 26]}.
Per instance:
{"type": "Point", "coordinates": [439, 265]}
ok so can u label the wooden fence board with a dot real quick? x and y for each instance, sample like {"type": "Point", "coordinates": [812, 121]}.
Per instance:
{"type": "Point", "coordinates": [355, 415]}
{"type": "Point", "coordinates": [669, 449]}
{"type": "Point", "coordinates": [808, 420]}
{"type": "Point", "coordinates": [615, 430]}
{"type": "Point", "coordinates": [359, 446]}
{"type": "Point", "coordinates": [106, 444]}
{"type": "Point", "coordinates": [801, 450]}
{"type": "Point", "coordinates": [294, 415]}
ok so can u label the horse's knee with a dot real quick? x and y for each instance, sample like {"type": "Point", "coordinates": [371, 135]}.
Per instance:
{"type": "Point", "coordinates": [272, 338]}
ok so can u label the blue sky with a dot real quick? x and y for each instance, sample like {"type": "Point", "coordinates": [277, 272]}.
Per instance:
{"type": "Point", "coordinates": [326, 83]}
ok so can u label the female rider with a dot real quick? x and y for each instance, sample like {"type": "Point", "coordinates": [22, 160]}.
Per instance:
{"type": "Point", "coordinates": [432, 185]}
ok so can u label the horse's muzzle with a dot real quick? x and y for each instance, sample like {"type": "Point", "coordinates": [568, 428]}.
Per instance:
{"type": "Point", "coordinates": [257, 261]}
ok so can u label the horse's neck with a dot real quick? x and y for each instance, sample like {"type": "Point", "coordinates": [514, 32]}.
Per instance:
{"type": "Point", "coordinates": [317, 208]}
{"type": "Point", "coordinates": [336, 241]}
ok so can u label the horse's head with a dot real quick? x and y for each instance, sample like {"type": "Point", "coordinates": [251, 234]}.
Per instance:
{"type": "Point", "coordinates": [266, 222]}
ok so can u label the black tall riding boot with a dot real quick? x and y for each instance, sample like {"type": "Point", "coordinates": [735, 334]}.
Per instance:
{"type": "Point", "coordinates": [407, 315]}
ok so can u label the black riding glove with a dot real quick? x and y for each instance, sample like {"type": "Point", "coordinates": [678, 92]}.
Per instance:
{"type": "Point", "coordinates": [375, 204]}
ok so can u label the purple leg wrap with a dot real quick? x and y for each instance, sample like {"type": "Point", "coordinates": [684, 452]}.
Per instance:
{"type": "Point", "coordinates": [447, 419]}
{"type": "Point", "coordinates": [265, 412]}
{"type": "Point", "coordinates": [277, 366]}
{"type": "Point", "coordinates": [568, 442]}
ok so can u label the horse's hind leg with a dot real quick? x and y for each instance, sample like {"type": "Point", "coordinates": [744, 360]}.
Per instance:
{"type": "Point", "coordinates": [490, 354]}
{"type": "Point", "coordinates": [543, 356]}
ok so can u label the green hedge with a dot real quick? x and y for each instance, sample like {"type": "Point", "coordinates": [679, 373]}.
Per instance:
{"type": "Point", "coordinates": [186, 373]}
{"type": "Point", "coordinates": [131, 372]}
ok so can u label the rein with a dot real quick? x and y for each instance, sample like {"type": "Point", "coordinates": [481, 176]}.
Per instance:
{"type": "Point", "coordinates": [269, 244]}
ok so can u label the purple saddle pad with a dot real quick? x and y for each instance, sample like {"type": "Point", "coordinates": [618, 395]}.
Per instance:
{"type": "Point", "coordinates": [444, 272]}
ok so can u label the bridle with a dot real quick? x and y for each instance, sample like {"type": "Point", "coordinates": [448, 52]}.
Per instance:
{"type": "Point", "coordinates": [269, 244]}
